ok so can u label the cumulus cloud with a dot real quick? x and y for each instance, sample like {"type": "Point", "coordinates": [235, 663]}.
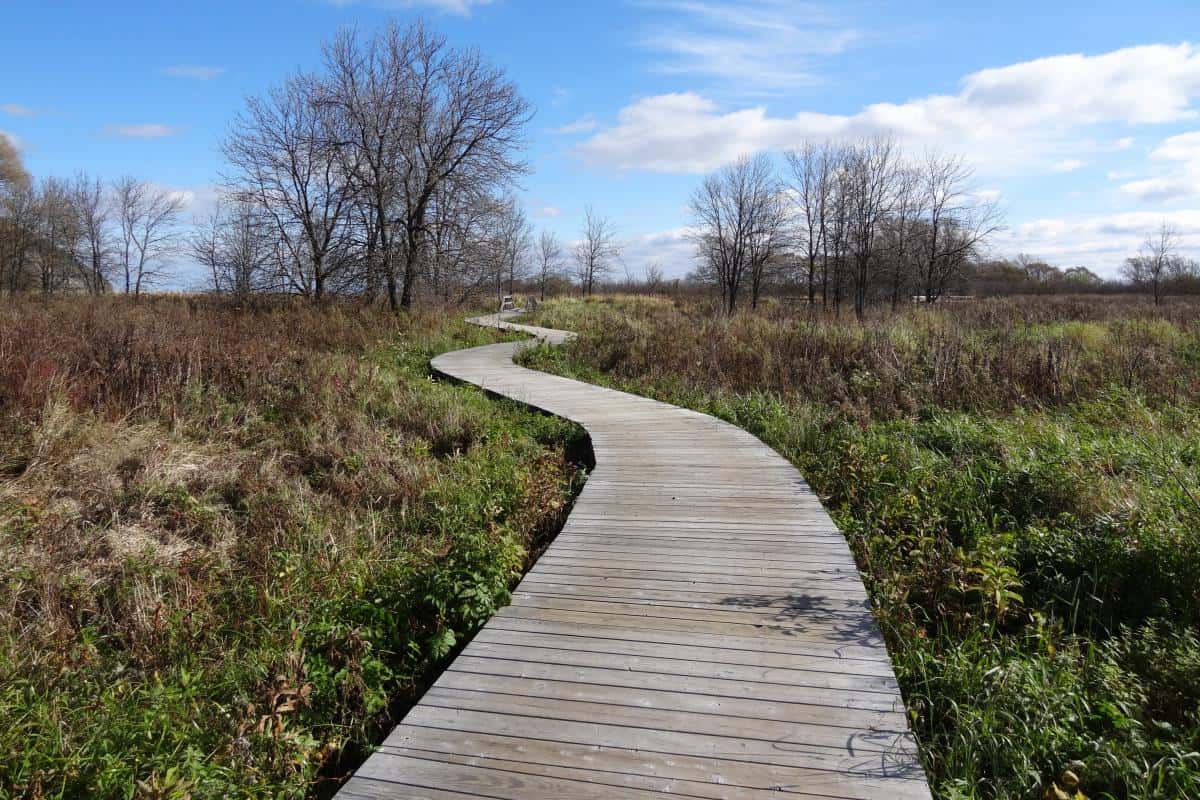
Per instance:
{"type": "Point", "coordinates": [1100, 242]}
{"type": "Point", "coordinates": [672, 250]}
{"type": "Point", "coordinates": [150, 130]}
{"type": "Point", "coordinates": [1182, 178]}
{"type": "Point", "coordinates": [1162, 189]}
{"type": "Point", "coordinates": [194, 72]}
{"type": "Point", "coordinates": [1184, 147]}
{"type": "Point", "coordinates": [1023, 114]}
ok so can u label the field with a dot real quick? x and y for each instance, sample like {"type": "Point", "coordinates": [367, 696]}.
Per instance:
{"type": "Point", "coordinates": [234, 543]}
{"type": "Point", "coordinates": [1019, 482]}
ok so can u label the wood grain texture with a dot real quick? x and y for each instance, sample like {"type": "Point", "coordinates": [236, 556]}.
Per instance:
{"type": "Point", "coordinates": [697, 629]}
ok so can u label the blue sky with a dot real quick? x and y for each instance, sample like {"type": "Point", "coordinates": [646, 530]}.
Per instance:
{"type": "Point", "coordinates": [1081, 119]}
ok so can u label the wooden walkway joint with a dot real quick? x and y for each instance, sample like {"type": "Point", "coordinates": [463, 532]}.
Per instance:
{"type": "Point", "coordinates": [697, 629]}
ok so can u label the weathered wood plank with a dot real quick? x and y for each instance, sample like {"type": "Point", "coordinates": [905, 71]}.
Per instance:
{"type": "Point", "coordinates": [698, 629]}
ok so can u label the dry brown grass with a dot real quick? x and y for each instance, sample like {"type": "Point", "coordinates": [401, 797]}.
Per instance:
{"type": "Point", "coordinates": [989, 354]}
{"type": "Point", "coordinates": [201, 504]}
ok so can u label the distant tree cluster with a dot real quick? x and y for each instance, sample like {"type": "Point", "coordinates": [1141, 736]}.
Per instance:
{"type": "Point", "coordinates": [1028, 275]}
{"type": "Point", "coordinates": [854, 224]}
{"type": "Point", "coordinates": [82, 235]}
{"type": "Point", "coordinates": [387, 174]}
{"type": "Point", "coordinates": [1159, 267]}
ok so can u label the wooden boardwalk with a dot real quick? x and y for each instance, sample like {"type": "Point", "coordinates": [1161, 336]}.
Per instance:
{"type": "Point", "coordinates": [697, 629]}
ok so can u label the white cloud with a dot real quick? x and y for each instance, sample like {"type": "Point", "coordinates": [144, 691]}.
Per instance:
{"type": "Point", "coordinates": [585, 124]}
{"type": "Point", "coordinates": [1067, 165]}
{"type": "Point", "coordinates": [194, 72]}
{"type": "Point", "coordinates": [1162, 189]}
{"type": "Point", "coordinates": [1184, 147]}
{"type": "Point", "coordinates": [1184, 178]}
{"type": "Point", "coordinates": [198, 201]}
{"type": "Point", "coordinates": [151, 130]}
{"type": "Point", "coordinates": [462, 8]}
{"type": "Point", "coordinates": [560, 96]}
{"type": "Point", "coordinates": [1026, 114]}
{"type": "Point", "coordinates": [1101, 242]}
{"type": "Point", "coordinates": [548, 212]}
{"type": "Point", "coordinates": [683, 133]}
{"type": "Point", "coordinates": [17, 110]}
{"type": "Point", "coordinates": [762, 46]}
{"type": "Point", "coordinates": [673, 250]}
{"type": "Point", "coordinates": [1123, 143]}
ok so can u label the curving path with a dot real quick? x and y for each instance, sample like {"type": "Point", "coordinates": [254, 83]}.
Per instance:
{"type": "Point", "coordinates": [697, 629]}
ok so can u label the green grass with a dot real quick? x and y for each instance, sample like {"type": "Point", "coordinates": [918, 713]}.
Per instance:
{"type": "Point", "coordinates": [1035, 565]}
{"type": "Point", "coordinates": [232, 594]}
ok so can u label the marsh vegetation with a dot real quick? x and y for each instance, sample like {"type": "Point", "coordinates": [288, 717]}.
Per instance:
{"type": "Point", "coordinates": [236, 542]}
{"type": "Point", "coordinates": [1019, 482]}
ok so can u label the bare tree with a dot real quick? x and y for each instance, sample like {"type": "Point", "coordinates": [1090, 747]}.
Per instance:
{"type": "Point", "coordinates": [460, 260]}
{"type": "Point", "coordinates": [1153, 263]}
{"type": "Point", "coordinates": [236, 246]}
{"type": "Point", "coordinates": [510, 245]}
{"type": "Point", "coordinates": [367, 89]}
{"type": "Point", "coordinates": [464, 120]}
{"type": "Point", "coordinates": [283, 158]}
{"type": "Point", "coordinates": [94, 248]}
{"type": "Point", "coordinates": [813, 170]}
{"type": "Point", "coordinates": [549, 256]}
{"type": "Point", "coordinates": [596, 251]}
{"type": "Point", "coordinates": [768, 240]}
{"type": "Point", "coordinates": [20, 206]}
{"type": "Point", "coordinates": [738, 215]}
{"type": "Point", "coordinates": [654, 277]}
{"type": "Point", "coordinates": [901, 230]}
{"type": "Point", "coordinates": [1183, 269]}
{"type": "Point", "coordinates": [365, 169]}
{"type": "Point", "coordinates": [956, 223]}
{"type": "Point", "coordinates": [57, 234]}
{"type": "Point", "coordinates": [835, 247]}
{"type": "Point", "coordinates": [147, 218]}
{"type": "Point", "coordinates": [870, 171]}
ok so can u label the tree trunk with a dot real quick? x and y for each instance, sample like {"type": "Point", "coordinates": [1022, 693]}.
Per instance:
{"type": "Point", "coordinates": [410, 274]}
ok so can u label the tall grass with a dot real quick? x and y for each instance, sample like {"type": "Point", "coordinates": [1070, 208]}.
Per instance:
{"type": "Point", "coordinates": [235, 542]}
{"type": "Point", "coordinates": [1018, 481]}
{"type": "Point", "coordinates": [992, 355]}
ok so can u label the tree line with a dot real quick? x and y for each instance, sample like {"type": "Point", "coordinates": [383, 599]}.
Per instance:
{"type": "Point", "coordinates": [389, 173]}
{"type": "Point", "coordinates": [854, 223]}
{"type": "Point", "coordinates": [83, 234]}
